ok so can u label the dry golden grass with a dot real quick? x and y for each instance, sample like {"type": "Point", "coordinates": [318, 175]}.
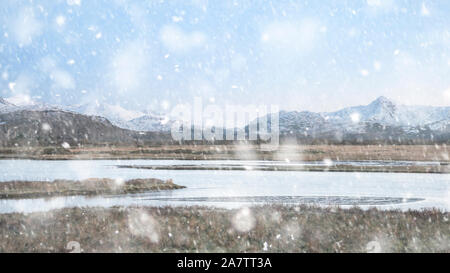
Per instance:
{"type": "Point", "coordinates": [243, 152]}
{"type": "Point", "coordinates": [95, 186]}
{"type": "Point", "coordinates": [196, 229]}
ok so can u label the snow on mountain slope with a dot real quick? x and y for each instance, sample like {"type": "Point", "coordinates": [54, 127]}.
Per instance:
{"type": "Point", "coordinates": [381, 112]}
{"type": "Point", "coordinates": [299, 121]}
{"type": "Point", "coordinates": [124, 118]}
{"type": "Point", "coordinates": [150, 123]}
{"type": "Point", "coordinates": [115, 113]}
{"type": "Point", "coordinates": [386, 112]}
{"type": "Point", "coordinates": [443, 125]}
{"type": "Point", "coordinates": [5, 106]}
{"type": "Point", "coordinates": [422, 115]}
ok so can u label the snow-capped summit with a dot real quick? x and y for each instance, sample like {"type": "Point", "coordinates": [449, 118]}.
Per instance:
{"type": "Point", "coordinates": [382, 110]}
{"type": "Point", "coordinates": [386, 112]}
{"type": "Point", "coordinates": [383, 105]}
{"type": "Point", "coordinates": [150, 123]}
{"type": "Point", "coordinates": [380, 113]}
{"type": "Point", "coordinates": [3, 101]}
{"type": "Point", "coordinates": [382, 101]}
{"type": "Point", "coordinates": [6, 106]}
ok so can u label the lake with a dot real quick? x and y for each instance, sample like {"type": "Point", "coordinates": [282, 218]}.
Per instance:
{"type": "Point", "coordinates": [231, 189]}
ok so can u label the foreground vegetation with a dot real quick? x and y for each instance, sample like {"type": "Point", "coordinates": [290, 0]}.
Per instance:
{"type": "Point", "coordinates": [93, 186]}
{"type": "Point", "coordinates": [198, 229]}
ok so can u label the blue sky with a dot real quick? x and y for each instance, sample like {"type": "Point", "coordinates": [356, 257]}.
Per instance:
{"type": "Point", "coordinates": [302, 55]}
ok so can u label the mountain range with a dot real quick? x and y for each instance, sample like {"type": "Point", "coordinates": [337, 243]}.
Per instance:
{"type": "Point", "coordinates": [43, 125]}
{"type": "Point", "coordinates": [381, 121]}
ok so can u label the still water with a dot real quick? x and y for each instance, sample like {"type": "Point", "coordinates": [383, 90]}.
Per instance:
{"type": "Point", "coordinates": [230, 189]}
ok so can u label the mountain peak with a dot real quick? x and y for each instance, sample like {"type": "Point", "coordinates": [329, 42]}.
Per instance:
{"type": "Point", "coordinates": [3, 101]}
{"type": "Point", "coordinates": [383, 101]}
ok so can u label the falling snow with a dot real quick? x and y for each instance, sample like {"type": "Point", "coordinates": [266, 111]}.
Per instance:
{"type": "Point", "coordinates": [350, 102]}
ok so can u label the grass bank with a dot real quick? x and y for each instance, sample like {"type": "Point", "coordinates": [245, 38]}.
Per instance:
{"type": "Point", "coordinates": [438, 153]}
{"type": "Point", "coordinates": [198, 229]}
{"type": "Point", "coordinates": [94, 186]}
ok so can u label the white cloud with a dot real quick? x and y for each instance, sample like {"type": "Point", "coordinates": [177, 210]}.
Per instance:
{"type": "Point", "coordinates": [293, 36]}
{"type": "Point", "coordinates": [22, 84]}
{"type": "Point", "coordinates": [25, 27]}
{"type": "Point", "coordinates": [380, 3]}
{"type": "Point", "coordinates": [122, 113]}
{"type": "Point", "coordinates": [129, 66]}
{"type": "Point", "coordinates": [21, 100]}
{"type": "Point", "coordinates": [74, 2]}
{"type": "Point", "coordinates": [375, 6]}
{"type": "Point", "coordinates": [47, 64]}
{"type": "Point", "coordinates": [62, 79]}
{"type": "Point", "coordinates": [175, 39]}
{"type": "Point", "coordinates": [404, 62]}
{"type": "Point", "coordinates": [446, 95]}
{"type": "Point", "coordinates": [238, 62]}
{"type": "Point", "coordinates": [5, 75]}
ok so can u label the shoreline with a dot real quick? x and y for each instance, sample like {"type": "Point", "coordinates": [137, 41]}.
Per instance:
{"type": "Point", "coordinates": [438, 169]}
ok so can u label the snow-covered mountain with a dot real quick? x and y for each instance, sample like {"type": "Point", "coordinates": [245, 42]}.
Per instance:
{"type": "Point", "coordinates": [150, 123]}
{"type": "Point", "coordinates": [299, 121]}
{"type": "Point", "coordinates": [8, 107]}
{"type": "Point", "coordinates": [381, 120]}
{"type": "Point", "coordinates": [5, 106]}
{"type": "Point", "coordinates": [386, 112]}
{"type": "Point", "coordinates": [124, 118]}
{"type": "Point", "coordinates": [45, 125]}
{"type": "Point", "coordinates": [382, 111]}
{"type": "Point", "coordinates": [443, 125]}
{"type": "Point", "coordinates": [114, 113]}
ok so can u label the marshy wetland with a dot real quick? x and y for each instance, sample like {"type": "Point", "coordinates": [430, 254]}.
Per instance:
{"type": "Point", "coordinates": [353, 204]}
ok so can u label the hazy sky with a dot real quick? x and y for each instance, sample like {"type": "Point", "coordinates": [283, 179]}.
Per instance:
{"type": "Point", "coordinates": [302, 55]}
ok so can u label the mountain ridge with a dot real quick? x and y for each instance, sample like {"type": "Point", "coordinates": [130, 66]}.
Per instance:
{"type": "Point", "coordinates": [381, 121]}
{"type": "Point", "coordinates": [42, 125]}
